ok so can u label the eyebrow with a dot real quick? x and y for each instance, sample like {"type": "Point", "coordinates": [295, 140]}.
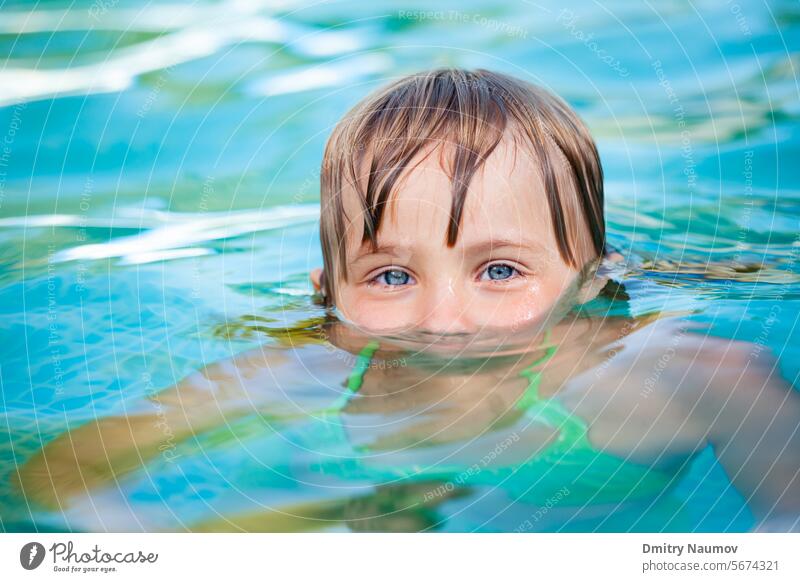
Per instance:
{"type": "Point", "coordinates": [502, 244]}
{"type": "Point", "coordinates": [367, 251]}
{"type": "Point", "coordinates": [477, 248]}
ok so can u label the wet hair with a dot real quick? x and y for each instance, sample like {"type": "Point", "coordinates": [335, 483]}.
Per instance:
{"type": "Point", "coordinates": [467, 113]}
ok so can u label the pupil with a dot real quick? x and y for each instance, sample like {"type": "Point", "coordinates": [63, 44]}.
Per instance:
{"type": "Point", "coordinates": [396, 277]}
{"type": "Point", "coordinates": [499, 272]}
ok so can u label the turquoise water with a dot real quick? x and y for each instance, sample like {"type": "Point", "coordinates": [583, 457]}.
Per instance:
{"type": "Point", "coordinates": [158, 211]}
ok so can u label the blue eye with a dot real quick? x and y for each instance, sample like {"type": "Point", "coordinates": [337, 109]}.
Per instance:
{"type": "Point", "coordinates": [394, 278]}
{"type": "Point", "coordinates": [498, 272]}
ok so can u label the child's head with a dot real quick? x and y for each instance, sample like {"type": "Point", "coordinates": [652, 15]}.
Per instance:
{"type": "Point", "coordinates": [454, 200]}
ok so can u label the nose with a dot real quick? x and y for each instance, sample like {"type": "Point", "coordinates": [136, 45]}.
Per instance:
{"type": "Point", "coordinates": [446, 309]}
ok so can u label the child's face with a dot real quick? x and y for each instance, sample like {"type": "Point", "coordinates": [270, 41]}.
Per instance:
{"type": "Point", "coordinates": [504, 270]}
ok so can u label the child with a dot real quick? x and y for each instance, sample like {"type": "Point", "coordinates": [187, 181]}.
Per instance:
{"type": "Point", "coordinates": [462, 215]}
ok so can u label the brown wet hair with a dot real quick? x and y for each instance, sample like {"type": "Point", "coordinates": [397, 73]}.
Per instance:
{"type": "Point", "coordinates": [468, 112]}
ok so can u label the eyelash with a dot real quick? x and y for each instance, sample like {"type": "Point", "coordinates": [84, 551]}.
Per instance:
{"type": "Point", "coordinates": [517, 273]}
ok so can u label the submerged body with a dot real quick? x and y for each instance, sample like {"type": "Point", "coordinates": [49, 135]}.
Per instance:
{"type": "Point", "coordinates": [586, 420]}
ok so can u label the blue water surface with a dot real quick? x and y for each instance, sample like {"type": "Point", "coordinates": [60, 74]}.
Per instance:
{"type": "Point", "coordinates": [159, 178]}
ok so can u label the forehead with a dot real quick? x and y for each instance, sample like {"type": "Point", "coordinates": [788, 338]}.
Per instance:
{"type": "Point", "coordinates": [506, 198]}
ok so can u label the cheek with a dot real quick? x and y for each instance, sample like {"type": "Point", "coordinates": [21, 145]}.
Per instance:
{"type": "Point", "coordinates": [519, 305]}
{"type": "Point", "coordinates": [509, 308]}
{"type": "Point", "coordinates": [368, 312]}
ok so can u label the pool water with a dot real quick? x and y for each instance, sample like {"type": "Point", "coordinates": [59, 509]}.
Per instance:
{"type": "Point", "coordinates": [158, 212]}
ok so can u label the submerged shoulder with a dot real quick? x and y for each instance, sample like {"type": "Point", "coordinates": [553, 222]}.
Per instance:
{"type": "Point", "coordinates": [695, 367]}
